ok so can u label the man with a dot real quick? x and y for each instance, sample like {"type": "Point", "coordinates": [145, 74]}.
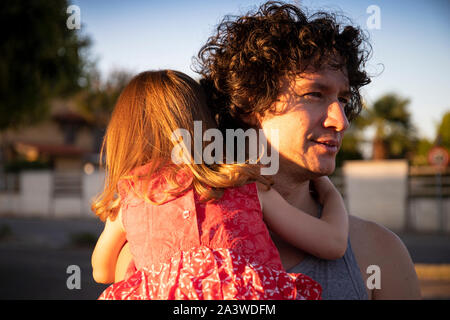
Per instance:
{"type": "Point", "coordinates": [278, 69]}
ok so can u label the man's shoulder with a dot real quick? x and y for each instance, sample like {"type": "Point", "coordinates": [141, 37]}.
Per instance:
{"type": "Point", "coordinates": [375, 245]}
{"type": "Point", "coordinates": [372, 232]}
{"type": "Point", "coordinates": [374, 238]}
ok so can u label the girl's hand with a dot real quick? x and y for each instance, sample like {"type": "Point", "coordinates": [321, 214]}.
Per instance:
{"type": "Point", "coordinates": [324, 188]}
{"type": "Point", "coordinates": [325, 238]}
{"type": "Point", "coordinates": [268, 197]}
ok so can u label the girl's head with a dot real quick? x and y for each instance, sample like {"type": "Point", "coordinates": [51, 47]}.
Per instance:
{"type": "Point", "coordinates": [150, 108]}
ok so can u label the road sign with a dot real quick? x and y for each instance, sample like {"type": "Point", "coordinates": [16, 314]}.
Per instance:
{"type": "Point", "coordinates": [438, 157]}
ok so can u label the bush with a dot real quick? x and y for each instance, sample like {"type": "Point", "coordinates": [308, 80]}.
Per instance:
{"type": "Point", "coordinates": [5, 232]}
{"type": "Point", "coordinates": [20, 165]}
{"type": "Point", "coordinates": [83, 239]}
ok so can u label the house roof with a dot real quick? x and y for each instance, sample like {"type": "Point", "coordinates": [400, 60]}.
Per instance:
{"type": "Point", "coordinates": [52, 149]}
{"type": "Point", "coordinates": [68, 116]}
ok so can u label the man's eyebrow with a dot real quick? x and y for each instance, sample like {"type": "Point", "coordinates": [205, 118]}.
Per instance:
{"type": "Point", "coordinates": [320, 86]}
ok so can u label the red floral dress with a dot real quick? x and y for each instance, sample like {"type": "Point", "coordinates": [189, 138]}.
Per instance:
{"type": "Point", "coordinates": [185, 249]}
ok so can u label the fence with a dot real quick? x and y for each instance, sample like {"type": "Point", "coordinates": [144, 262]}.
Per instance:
{"type": "Point", "coordinates": [428, 203]}
{"type": "Point", "coordinates": [397, 196]}
{"type": "Point", "coordinates": [46, 193]}
{"type": "Point", "coordinates": [387, 192]}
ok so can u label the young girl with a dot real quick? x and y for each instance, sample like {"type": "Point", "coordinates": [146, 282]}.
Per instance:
{"type": "Point", "coordinates": [197, 231]}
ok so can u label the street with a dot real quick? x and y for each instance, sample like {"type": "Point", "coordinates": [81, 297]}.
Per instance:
{"type": "Point", "coordinates": [35, 255]}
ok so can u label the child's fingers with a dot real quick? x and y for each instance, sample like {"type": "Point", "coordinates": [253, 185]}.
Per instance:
{"type": "Point", "coordinates": [323, 186]}
{"type": "Point", "coordinates": [322, 183]}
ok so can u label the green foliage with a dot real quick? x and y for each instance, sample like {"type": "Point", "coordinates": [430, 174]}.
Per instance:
{"type": "Point", "coordinates": [40, 59]}
{"type": "Point", "coordinates": [83, 239]}
{"type": "Point", "coordinates": [395, 136]}
{"type": "Point", "coordinates": [5, 232]}
{"type": "Point", "coordinates": [420, 157]}
{"type": "Point", "coordinates": [392, 109]}
{"type": "Point", "coordinates": [16, 166]}
{"type": "Point", "coordinates": [353, 138]}
{"type": "Point", "coordinates": [443, 131]}
{"type": "Point", "coordinates": [96, 102]}
{"type": "Point", "coordinates": [350, 148]}
{"type": "Point", "coordinates": [424, 146]}
{"type": "Point", "coordinates": [348, 152]}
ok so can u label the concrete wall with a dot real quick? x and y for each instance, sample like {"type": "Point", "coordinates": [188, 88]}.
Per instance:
{"type": "Point", "coordinates": [425, 215]}
{"type": "Point", "coordinates": [9, 202]}
{"type": "Point", "coordinates": [91, 185]}
{"type": "Point", "coordinates": [35, 193]}
{"type": "Point", "coordinates": [35, 197]}
{"type": "Point", "coordinates": [377, 191]}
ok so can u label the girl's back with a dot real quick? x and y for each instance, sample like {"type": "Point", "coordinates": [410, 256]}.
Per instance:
{"type": "Point", "coordinates": [186, 249]}
{"type": "Point", "coordinates": [156, 233]}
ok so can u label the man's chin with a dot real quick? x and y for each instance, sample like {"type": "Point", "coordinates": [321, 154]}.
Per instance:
{"type": "Point", "coordinates": [328, 171]}
{"type": "Point", "coordinates": [305, 171]}
{"type": "Point", "coordinates": [302, 174]}
{"type": "Point", "coordinates": [322, 171]}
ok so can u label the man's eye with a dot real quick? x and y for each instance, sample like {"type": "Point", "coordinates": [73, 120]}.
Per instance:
{"type": "Point", "coordinates": [344, 100]}
{"type": "Point", "coordinates": [312, 95]}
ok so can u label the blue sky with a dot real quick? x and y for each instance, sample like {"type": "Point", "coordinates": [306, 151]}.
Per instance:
{"type": "Point", "coordinates": [410, 50]}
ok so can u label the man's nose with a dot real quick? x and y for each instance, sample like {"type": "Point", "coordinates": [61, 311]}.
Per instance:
{"type": "Point", "coordinates": [335, 117]}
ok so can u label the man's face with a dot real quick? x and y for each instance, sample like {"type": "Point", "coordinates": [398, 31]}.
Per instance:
{"type": "Point", "coordinates": [310, 120]}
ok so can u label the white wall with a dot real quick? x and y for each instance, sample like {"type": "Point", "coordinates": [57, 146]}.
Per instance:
{"type": "Point", "coordinates": [92, 185]}
{"type": "Point", "coordinates": [377, 191]}
{"type": "Point", "coordinates": [35, 199]}
{"type": "Point", "coordinates": [34, 194]}
{"type": "Point", "coordinates": [425, 216]}
{"type": "Point", "coordinates": [9, 202]}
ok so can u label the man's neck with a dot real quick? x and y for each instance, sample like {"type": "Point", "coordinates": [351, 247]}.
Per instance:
{"type": "Point", "coordinates": [296, 191]}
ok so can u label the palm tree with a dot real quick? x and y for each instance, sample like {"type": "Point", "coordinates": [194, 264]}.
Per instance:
{"type": "Point", "coordinates": [394, 132]}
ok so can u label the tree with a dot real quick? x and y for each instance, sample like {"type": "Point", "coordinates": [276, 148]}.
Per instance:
{"type": "Point", "coordinates": [96, 102]}
{"type": "Point", "coordinates": [394, 132]}
{"type": "Point", "coordinates": [40, 59]}
{"type": "Point", "coordinates": [443, 131]}
{"type": "Point", "coordinates": [353, 138]}
{"type": "Point", "coordinates": [422, 148]}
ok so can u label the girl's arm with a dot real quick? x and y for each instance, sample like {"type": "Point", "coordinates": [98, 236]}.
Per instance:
{"type": "Point", "coordinates": [123, 263]}
{"type": "Point", "coordinates": [106, 252]}
{"type": "Point", "coordinates": [325, 238]}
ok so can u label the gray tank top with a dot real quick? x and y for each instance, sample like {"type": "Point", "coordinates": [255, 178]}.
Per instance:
{"type": "Point", "coordinates": [340, 279]}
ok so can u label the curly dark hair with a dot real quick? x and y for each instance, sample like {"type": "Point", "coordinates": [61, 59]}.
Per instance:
{"type": "Point", "coordinates": [243, 63]}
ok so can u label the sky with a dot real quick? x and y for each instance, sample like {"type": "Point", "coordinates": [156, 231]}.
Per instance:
{"type": "Point", "coordinates": [411, 42]}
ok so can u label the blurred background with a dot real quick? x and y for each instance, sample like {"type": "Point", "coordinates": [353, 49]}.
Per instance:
{"type": "Point", "coordinates": [64, 63]}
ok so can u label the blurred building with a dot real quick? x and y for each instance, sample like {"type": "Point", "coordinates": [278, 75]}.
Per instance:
{"type": "Point", "coordinates": [50, 168]}
{"type": "Point", "coordinates": [65, 141]}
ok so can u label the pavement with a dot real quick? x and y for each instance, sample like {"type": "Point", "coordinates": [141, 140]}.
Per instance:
{"type": "Point", "coordinates": [35, 255]}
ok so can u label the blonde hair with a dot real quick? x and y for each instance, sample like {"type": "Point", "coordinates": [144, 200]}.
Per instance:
{"type": "Point", "coordinates": [150, 108]}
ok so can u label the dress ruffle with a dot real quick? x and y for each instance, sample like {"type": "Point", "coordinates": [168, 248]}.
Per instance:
{"type": "Point", "coordinates": [212, 274]}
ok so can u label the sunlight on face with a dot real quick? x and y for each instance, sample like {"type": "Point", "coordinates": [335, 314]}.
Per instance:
{"type": "Point", "coordinates": [309, 116]}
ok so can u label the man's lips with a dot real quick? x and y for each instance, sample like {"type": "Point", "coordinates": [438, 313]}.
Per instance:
{"type": "Point", "coordinates": [331, 145]}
